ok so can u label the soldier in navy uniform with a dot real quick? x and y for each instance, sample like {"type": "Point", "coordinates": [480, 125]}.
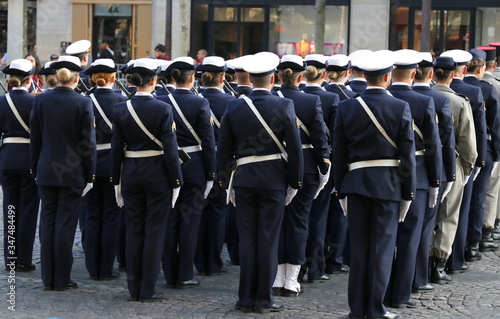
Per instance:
{"type": "Point", "coordinates": [475, 95]}
{"type": "Point", "coordinates": [421, 85]}
{"type": "Point", "coordinates": [492, 199]}
{"type": "Point", "coordinates": [374, 175]}
{"type": "Point", "coordinates": [230, 77]}
{"type": "Point", "coordinates": [49, 74]}
{"type": "Point", "coordinates": [163, 77]}
{"type": "Point", "coordinates": [63, 161]}
{"type": "Point", "coordinates": [338, 69]}
{"type": "Point", "coordinates": [428, 156]}
{"type": "Point", "coordinates": [213, 221]}
{"type": "Point", "coordinates": [195, 135]}
{"type": "Point", "coordinates": [445, 226]}
{"type": "Point", "coordinates": [475, 74]}
{"type": "Point", "coordinates": [315, 74]}
{"type": "Point", "coordinates": [147, 177]}
{"type": "Point", "coordinates": [294, 233]}
{"type": "Point", "coordinates": [20, 193]}
{"type": "Point", "coordinates": [263, 182]}
{"type": "Point", "coordinates": [102, 215]}
{"type": "Point", "coordinates": [131, 88]}
{"type": "Point", "coordinates": [81, 49]}
{"type": "Point", "coordinates": [242, 77]}
{"type": "Point", "coordinates": [358, 83]}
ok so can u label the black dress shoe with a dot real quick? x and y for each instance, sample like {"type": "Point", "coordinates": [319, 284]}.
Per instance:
{"type": "Point", "coordinates": [278, 291]}
{"type": "Point", "coordinates": [464, 268]}
{"type": "Point", "coordinates": [121, 267]}
{"type": "Point", "coordinates": [409, 304]}
{"type": "Point", "coordinates": [71, 285]}
{"type": "Point", "coordinates": [133, 299]}
{"type": "Point", "coordinates": [245, 309]}
{"type": "Point", "coordinates": [171, 285]}
{"type": "Point", "coordinates": [188, 283]}
{"type": "Point", "coordinates": [154, 298]}
{"type": "Point", "coordinates": [344, 269]}
{"type": "Point", "coordinates": [320, 279]}
{"type": "Point", "coordinates": [25, 268]}
{"type": "Point", "coordinates": [292, 293]}
{"type": "Point", "coordinates": [206, 273]}
{"type": "Point", "coordinates": [423, 289]}
{"type": "Point", "coordinates": [351, 316]}
{"type": "Point", "coordinates": [114, 275]}
{"type": "Point", "coordinates": [275, 307]}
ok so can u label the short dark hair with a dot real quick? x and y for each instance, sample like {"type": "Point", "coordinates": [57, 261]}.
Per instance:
{"type": "Point", "coordinates": [161, 48]}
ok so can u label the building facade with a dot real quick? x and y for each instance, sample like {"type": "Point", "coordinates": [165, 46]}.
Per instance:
{"type": "Point", "coordinates": [230, 28]}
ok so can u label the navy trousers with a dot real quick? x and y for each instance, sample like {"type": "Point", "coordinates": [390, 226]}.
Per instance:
{"type": "Point", "coordinates": [336, 237]}
{"type": "Point", "coordinates": [407, 242]}
{"type": "Point", "coordinates": [259, 216]}
{"type": "Point", "coordinates": [422, 260]}
{"type": "Point", "coordinates": [20, 214]}
{"type": "Point", "coordinates": [315, 258]}
{"type": "Point", "coordinates": [59, 217]}
{"type": "Point", "coordinates": [478, 198]}
{"type": "Point", "coordinates": [372, 236]}
{"type": "Point", "coordinates": [295, 228]}
{"type": "Point", "coordinates": [457, 258]}
{"type": "Point", "coordinates": [232, 237]}
{"type": "Point", "coordinates": [121, 255]}
{"type": "Point", "coordinates": [146, 210]}
{"type": "Point", "coordinates": [212, 231]}
{"type": "Point", "coordinates": [102, 220]}
{"type": "Point", "coordinates": [183, 226]}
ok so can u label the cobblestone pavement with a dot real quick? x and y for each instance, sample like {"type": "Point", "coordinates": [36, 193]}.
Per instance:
{"type": "Point", "coordinates": [474, 294]}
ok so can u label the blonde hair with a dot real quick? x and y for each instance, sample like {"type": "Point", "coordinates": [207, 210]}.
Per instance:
{"type": "Point", "coordinates": [289, 76]}
{"type": "Point", "coordinates": [17, 80]}
{"type": "Point", "coordinates": [334, 75]}
{"type": "Point", "coordinates": [211, 78]}
{"type": "Point", "coordinates": [312, 73]}
{"type": "Point", "coordinates": [101, 79]}
{"type": "Point", "coordinates": [66, 76]}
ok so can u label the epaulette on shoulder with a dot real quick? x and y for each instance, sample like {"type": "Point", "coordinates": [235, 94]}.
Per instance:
{"type": "Point", "coordinates": [496, 78]}
{"type": "Point", "coordinates": [463, 96]}
{"type": "Point", "coordinates": [487, 82]}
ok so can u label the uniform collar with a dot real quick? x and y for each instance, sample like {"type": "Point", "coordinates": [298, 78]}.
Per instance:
{"type": "Point", "coordinates": [422, 84]}
{"type": "Point", "coordinates": [20, 88]}
{"type": "Point", "coordinates": [400, 84]}
{"type": "Point", "coordinates": [143, 94]}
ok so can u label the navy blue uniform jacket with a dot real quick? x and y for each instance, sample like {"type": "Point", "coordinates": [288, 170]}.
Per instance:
{"type": "Point", "coordinates": [308, 110]}
{"type": "Point", "coordinates": [157, 117]}
{"type": "Point", "coordinates": [358, 86]}
{"type": "Point", "coordinates": [474, 94]}
{"type": "Point", "coordinates": [490, 95]}
{"type": "Point", "coordinates": [107, 99]}
{"type": "Point", "coordinates": [356, 138]}
{"type": "Point", "coordinates": [242, 135]}
{"type": "Point", "coordinates": [446, 131]}
{"type": "Point", "coordinates": [15, 155]}
{"type": "Point", "coordinates": [197, 111]}
{"type": "Point", "coordinates": [341, 90]}
{"type": "Point", "coordinates": [424, 117]}
{"type": "Point", "coordinates": [63, 150]}
{"type": "Point", "coordinates": [218, 102]}
{"type": "Point", "coordinates": [329, 103]}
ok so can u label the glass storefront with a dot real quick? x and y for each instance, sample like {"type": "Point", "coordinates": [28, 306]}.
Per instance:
{"type": "Point", "coordinates": [487, 26]}
{"type": "Point", "coordinates": [231, 31]}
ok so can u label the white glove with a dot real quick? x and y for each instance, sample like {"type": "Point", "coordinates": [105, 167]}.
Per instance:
{"type": "Point", "coordinates": [333, 190]}
{"type": "Point", "coordinates": [343, 204]}
{"type": "Point", "coordinates": [290, 194]}
{"type": "Point", "coordinates": [433, 196]}
{"type": "Point", "coordinates": [232, 198]}
{"type": "Point", "coordinates": [476, 172]}
{"type": "Point", "coordinates": [466, 179]}
{"type": "Point", "coordinates": [210, 184]}
{"type": "Point", "coordinates": [446, 190]}
{"type": "Point", "coordinates": [118, 195]}
{"type": "Point", "coordinates": [403, 209]}
{"type": "Point", "coordinates": [175, 195]}
{"type": "Point", "coordinates": [87, 188]}
{"type": "Point", "coordinates": [495, 164]}
{"type": "Point", "coordinates": [323, 179]}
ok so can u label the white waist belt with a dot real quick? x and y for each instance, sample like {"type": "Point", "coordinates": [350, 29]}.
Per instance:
{"type": "Point", "coordinates": [139, 154]}
{"type": "Point", "coordinates": [191, 149]}
{"type": "Point", "coordinates": [248, 160]}
{"type": "Point", "coordinates": [101, 147]}
{"type": "Point", "coordinates": [374, 163]}
{"type": "Point", "coordinates": [256, 159]}
{"type": "Point", "coordinates": [21, 140]}
{"type": "Point", "coordinates": [421, 152]}
{"type": "Point", "coordinates": [306, 146]}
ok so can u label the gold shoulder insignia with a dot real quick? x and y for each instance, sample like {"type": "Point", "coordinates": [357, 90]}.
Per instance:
{"type": "Point", "coordinates": [94, 122]}
{"type": "Point", "coordinates": [174, 127]}
{"type": "Point", "coordinates": [211, 120]}
{"type": "Point", "coordinates": [487, 82]}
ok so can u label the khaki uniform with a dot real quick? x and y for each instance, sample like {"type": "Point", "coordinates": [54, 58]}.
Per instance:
{"type": "Point", "coordinates": [465, 145]}
{"type": "Point", "coordinates": [492, 203]}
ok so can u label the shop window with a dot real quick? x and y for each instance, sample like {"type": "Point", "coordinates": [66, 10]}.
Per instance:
{"type": "Point", "coordinates": [488, 28]}
{"type": "Point", "coordinates": [292, 30]}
